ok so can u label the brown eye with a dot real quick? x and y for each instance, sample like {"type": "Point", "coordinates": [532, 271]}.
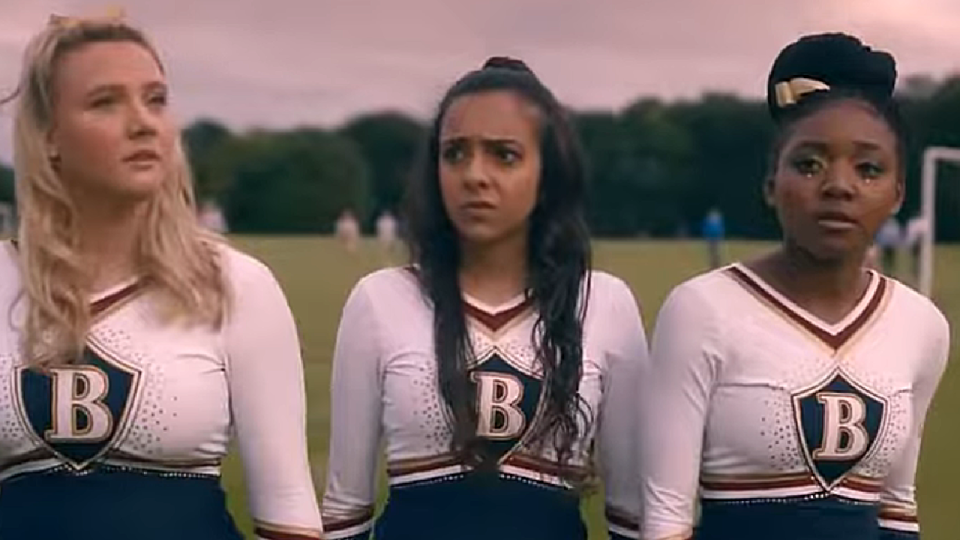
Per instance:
{"type": "Point", "coordinates": [507, 156]}
{"type": "Point", "coordinates": [453, 153]}
{"type": "Point", "coordinates": [807, 166]}
{"type": "Point", "coordinates": [103, 102]}
{"type": "Point", "coordinates": [158, 100]}
{"type": "Point", "coordinates": [870, 170]}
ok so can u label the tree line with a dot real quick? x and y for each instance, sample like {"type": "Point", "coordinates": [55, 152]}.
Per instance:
{"type": "Point", "coordinates": [657, 167]}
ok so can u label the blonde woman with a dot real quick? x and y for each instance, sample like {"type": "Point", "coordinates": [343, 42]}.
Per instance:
{"type": "Point", "coordinates": [133, 344]}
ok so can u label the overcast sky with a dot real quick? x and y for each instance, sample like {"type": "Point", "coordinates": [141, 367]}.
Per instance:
{"type": "Point", "coordinates": [277, 63]}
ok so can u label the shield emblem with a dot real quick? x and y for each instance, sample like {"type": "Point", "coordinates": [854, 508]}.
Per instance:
{"type": "Point", "coordinates": [77, 410]}
{"type": "Point", "coordinates": [507, 401]}
{"type": "Point", "coordinates": [840, 423]}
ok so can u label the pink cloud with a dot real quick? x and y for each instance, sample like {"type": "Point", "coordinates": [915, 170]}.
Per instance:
{"type": "Point", "coordinates": [283, 62]}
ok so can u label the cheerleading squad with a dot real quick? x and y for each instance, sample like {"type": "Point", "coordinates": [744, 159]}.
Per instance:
{"type": "Point", "coordinates": [498, 377]}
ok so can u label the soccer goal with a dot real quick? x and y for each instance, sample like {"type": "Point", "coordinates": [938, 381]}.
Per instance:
{"type": "Point", "coordinates": [932, 157]}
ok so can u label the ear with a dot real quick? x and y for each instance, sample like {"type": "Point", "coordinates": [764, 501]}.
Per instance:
{"type": "Point", "coordinates": [53, 150]}
{"type": "Point", "coordinates": [769, 188]}
{"type": "Point", "coordinates": [900, 188]}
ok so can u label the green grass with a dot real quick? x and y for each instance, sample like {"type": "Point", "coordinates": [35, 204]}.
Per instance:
{"type": "Point", "coordinates": [317, 276]}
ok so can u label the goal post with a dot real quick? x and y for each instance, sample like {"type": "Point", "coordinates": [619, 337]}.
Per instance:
{"type": "Point", "coordinates": [932, 156]}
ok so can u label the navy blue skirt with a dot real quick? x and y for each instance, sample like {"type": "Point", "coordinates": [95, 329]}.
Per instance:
{"type": "Point", "coordinates": [818, 519]}
{"type": "Point", "coordinates": [114, 505]}
{"type": "Point", "coordinates": [478, 507]}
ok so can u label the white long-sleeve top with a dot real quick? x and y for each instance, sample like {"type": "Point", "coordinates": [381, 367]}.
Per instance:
{"type": "Point", "coordinates": [167, 399]}
{"type": "Point", "coordinates": [384, 390]}
{"type": "Point", "coordinates": [753, 402]}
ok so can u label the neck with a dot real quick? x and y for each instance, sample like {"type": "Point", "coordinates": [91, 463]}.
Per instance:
{"type": "Point", "coordinates": [109, 234]}
{"type": "Point", "coordinates": [812, 278]}
{"type": "Point", "coordinates": [494, 273]}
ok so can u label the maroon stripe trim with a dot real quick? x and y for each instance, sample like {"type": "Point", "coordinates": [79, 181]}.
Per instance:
{"type": "Point", "coordinates": [333, 525]}
{"type": "Point", "coordinates": [834, 341]}
{"type": "Point", "coordinates": [111, 300]}
{"type": "Point", "coordinates": [271, 534]}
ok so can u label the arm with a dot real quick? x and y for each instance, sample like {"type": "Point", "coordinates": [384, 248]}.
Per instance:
{"type": "Point", "coordinates": [618, 422]}
{"type": "Point", "coordinates": [674, 400]}
{"type": "Point", "coordinates": [355, 419]}
{"type": "Point", "coordinates": [898, 507]}
{"type": "Point", "coordinates": [268, 406]}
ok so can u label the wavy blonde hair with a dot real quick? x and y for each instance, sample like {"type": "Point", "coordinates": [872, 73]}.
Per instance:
{"type": "Point", "coordinates": [176, 256]}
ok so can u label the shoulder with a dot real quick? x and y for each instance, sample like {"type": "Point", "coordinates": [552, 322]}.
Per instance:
{"type": "Point", "coordinates": [920, 312]}
{"type": "Point", "coordinates": [8, 256]}
{"type": "Point", "coordinates": [605, 286]}
{"type": "Point", "coordinates": [696, 311]}
{"type": "Point", "coordinates": [610, 297]}
{"type": "Point", "coordinates": [909, 298]}
{"type": "Point", "coordinates": [601, 281]}
{"type": "Point", "coordinates": [253, 288]}
{"type": "Point", "coordinates": [613, 328]}
{"type": "Point", "coordinates": [606, 289]}
{"type": "Point", "coordinates": [388, 280]}
{"type": "Point", "coordinates": [243, 269]}
{"type": "Point", "coordinates": [11, 288]}
{"type": "Point", "coordinates": [385, 308]}
{"type": "Point", "coordinates": [10, 280]}
{"type": "Point", "coordinates": [9, 268]}
{"type": "Point", "coordinates": [396, 289]}
{"type": "Point", "coordinates": [390, 286]}
{"type": "Point", "coordinates": [702, 293]}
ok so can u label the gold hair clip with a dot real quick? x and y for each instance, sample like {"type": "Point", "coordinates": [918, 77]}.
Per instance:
{"type": "Point", "coordinates": [790, 92]}
{"type": "Point", "coordinates": [110, 14]}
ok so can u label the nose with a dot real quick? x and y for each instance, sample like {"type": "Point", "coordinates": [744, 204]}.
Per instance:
{"type": "Point", "coordinates": [476, 174]}
{"type": "Point", "coordinates": [840, 181]}
{"type": "Point", "coordinates": [141, 121]}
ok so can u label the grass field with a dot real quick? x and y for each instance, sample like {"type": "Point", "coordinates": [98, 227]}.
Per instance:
{"type": "Point", "coordinates": [317, 276]}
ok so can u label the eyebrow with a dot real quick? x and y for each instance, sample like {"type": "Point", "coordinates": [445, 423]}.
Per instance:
{"type": "Point", "coordinates": [820, 146]}
{"type": "Point", "coordinates": [112, 88]}
{"type": "Point", "coordinates": [483, 140]}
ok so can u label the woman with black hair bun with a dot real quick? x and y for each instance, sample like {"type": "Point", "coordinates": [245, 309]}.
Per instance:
{"type": "Point", "coordinates": [496, 364]}
{"type": "Point", "coordinates": [792, 389]}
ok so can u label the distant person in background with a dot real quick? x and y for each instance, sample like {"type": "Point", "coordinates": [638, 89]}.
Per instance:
{"type": "Point", "coordinates": [917, 230]}
{"type": "Point", "coordinates": [387, 233]}
{"type": "Point", "coordinates": [888, 241]}
{"type": "Point", "coordinates": [713, 232]}
{"type": "Point", "coordinates": [136, 347]}
{"type": "Point", "coordinates": [494, 368]}
{"type": "Point", "coordinates": [347, 230]}
{"type": "Point", "coordinates": [7, 221]}
{"type": "Point", "coordinates": [787, 395]}
{"type": "Point", "coordinates": [211, 217]}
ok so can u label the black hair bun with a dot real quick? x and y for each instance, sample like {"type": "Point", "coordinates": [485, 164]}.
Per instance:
{"type": "Point", "coordinates": [831, 61]}
{"type": "Point", "coordinates": [505, 62]}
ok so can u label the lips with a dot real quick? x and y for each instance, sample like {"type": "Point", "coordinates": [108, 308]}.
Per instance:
{"type": "Point", "coordinates": [478, 205]}
{"type": "Point", "coordinates": [836, 220]}
{"type": "Point", "coordinates": [141, 156]}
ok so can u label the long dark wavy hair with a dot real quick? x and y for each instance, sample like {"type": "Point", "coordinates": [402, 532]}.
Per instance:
{"type": "Point", "coordinates": [558, 261]}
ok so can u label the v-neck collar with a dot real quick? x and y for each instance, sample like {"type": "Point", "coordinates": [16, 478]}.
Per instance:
{"type": "Point", "coordinates": [494, 318]}
{"type": "Point", "coordinates": [105, 300]}
{"type": "Point", "coordinates": [834, 335]}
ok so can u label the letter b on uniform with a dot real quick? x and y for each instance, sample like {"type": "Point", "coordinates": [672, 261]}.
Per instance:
{"type": "Point", "coordinates": [499, 415]}
{"type": "Point", "coordinates": [78, 411]}
{"type": "Point", "coordinates": [844, 436]}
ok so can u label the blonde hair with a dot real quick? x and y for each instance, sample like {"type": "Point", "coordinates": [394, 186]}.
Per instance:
{"type": "Point", "coordinates": [176, 256]}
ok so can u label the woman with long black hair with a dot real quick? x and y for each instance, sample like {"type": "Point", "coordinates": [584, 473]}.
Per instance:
{"type": "Point", "coordinates": [495, 364]}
